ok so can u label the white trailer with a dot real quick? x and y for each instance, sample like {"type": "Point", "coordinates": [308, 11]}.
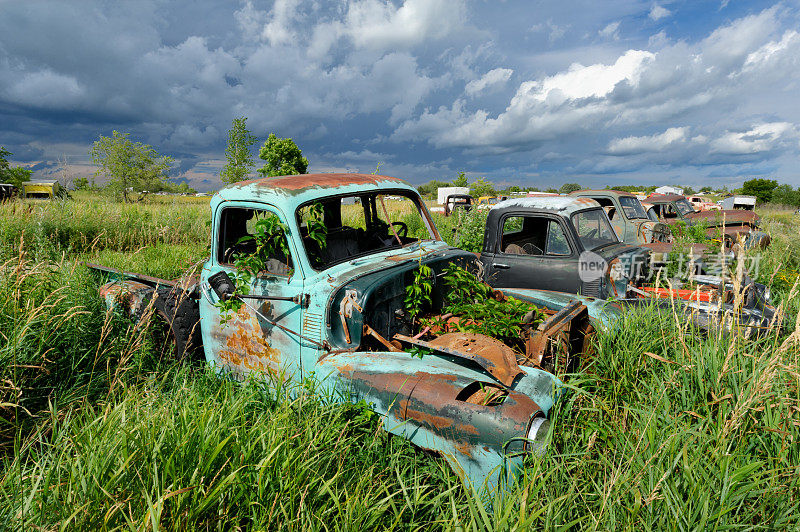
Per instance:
{"type": "Point", "coordinates": [747, 203]}
{"type": "Point", "coordinates": [443, 192]}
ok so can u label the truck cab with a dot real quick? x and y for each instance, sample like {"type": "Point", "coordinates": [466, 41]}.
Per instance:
{"type": "Point", "coordinates": [628, 217]}
{"type": "Point", "coordinates": [545, 242]}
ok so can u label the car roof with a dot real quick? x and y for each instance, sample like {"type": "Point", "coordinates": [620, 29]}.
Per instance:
{"type": "Point", "coordinates": [289, 192]}
{"type": "Point", "coordinates": [601, 191]}
{"type": "Point", "coordinates": [561, 204]}
{"type": "Point", "coordinates": [664, 198]}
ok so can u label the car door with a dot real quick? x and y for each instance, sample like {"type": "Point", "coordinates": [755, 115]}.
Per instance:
{"type": "Point", "coordinates": [263, 334]}
{"type": "Point", "coordinates": [534, 251]}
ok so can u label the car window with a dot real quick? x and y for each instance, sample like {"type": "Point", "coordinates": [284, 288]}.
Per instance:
{"type": "Point", "coordinates": [247, 233]}
{"type": "Point", "coordinates": [337, 229]}
{"type": "Point", "coordinates": [684, 207]}
{"type": "Point", "coordinates": [533, 235]}
{"type": "Point", "coordinates": [557, 243]}
{"type": "Point", "coordinates": [593, 228]}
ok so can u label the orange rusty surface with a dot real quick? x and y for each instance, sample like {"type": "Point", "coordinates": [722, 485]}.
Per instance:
{"type": "Point", "coordinates": [687, 295]}
{"type": "Point", "coordinates": [298, 182]}
{"type": "Point", "coordinates": [499, 354]}
{"type": "Point", "coordinates": [246, 346]}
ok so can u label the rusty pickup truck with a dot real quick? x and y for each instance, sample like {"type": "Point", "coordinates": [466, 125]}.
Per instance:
{"type": "Point", "coordinates": [568, 244]}
{"type": "Point", "coordinates": [329, 304]}
{"type": "Point", "coordinates": [731, 224]}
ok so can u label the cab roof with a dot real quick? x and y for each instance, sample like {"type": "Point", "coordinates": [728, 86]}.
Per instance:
{"type": "Point", "coordinates": [602, 191]}
{"type": "Point", "coordinates": [289, 192]}
{"type": "Point", "coordinates": [561, 204]}
{"type": "Point", "coordinates": [664, 198]}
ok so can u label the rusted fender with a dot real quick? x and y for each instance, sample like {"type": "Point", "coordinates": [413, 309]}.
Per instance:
{"type": "Point", "coordinates": [431, 402]}
{"type": "Point", "coordinates": [129, 295]}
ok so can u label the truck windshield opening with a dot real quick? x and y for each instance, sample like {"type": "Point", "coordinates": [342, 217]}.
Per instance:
{"type": "Point", "coordinates": [361, 224]}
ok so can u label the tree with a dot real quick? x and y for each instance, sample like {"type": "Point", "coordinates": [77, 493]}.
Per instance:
{"type": "Point", "coordinates": [481, 187]}
{"type": "Point", "coordinates": [566, 188]}
{"type": "Point", "coordinates": [81, 184]}
{"type": "Point", "coordinates": [760, 188]}
{"type": "Point", "coordinates": [240, 161]}
{"type": "Point", "coordinates": [461, 180]}
{"type": "Point", "coordinates": [12, 175]}
{"type": "Point", "coordinates": [429, 189]}
{"type": "Point", "coordinates": [129, 166]}
{"type": "Point", "coordinates": [283, 157]}
{"type": "Point", "coordinates": [786, 195]}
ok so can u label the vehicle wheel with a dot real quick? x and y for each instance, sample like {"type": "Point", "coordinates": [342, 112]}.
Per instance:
{"type": "Point", "coordinates": [177, 323]}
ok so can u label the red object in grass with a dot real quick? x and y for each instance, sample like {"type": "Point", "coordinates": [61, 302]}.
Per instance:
{"type": "Point", "coordinates": [687, 295]}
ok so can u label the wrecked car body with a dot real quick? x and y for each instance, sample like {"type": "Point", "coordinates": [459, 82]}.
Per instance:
{"type": "Point", "coordinates": [328, 303]}
{"type": "Point", "coordinates": [628, 217]}
{"type": "Point", "coordinates": [567, 244]}
{"type": "Point", "coordinates": [729, 225]}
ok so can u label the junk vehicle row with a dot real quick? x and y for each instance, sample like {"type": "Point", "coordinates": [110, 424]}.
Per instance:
{"type": "Point", "coordinates": [333, 256]}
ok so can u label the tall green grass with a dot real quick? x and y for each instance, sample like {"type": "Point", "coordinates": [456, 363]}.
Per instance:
{"type": "Point", "coordinates": [659, 429]}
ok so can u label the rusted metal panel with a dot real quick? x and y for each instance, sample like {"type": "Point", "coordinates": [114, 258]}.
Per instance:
{"type": "Point", "coordinates": [492, 355]}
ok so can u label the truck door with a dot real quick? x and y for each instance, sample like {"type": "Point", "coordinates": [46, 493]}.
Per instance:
{"type": "Point", "coordinates": [262, 335]}
{"type": "Point", "coordinates": [533, 252]}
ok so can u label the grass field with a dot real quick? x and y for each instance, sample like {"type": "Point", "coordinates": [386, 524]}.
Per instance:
{"type": "Point", "coordinates": [659, 429]}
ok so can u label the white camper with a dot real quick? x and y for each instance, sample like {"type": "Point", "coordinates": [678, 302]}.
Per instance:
{"type": "Point", "coordinates": [747, 203]}
{"type": "Point", "coordinates": [443, 192]}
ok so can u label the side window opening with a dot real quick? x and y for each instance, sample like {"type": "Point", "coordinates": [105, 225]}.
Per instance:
{"type": "Point", "coordinates": [237, 240]}
{"type": "Point", "coordinates": [533, 235]}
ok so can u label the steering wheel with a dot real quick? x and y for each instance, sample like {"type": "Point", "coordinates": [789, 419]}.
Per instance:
{"type": "Point", "coordinates": [591, 235]}
{"type": "Point", "coordinates": [238, 249]}
{"type": "Point", "coordinates": [402, 229]}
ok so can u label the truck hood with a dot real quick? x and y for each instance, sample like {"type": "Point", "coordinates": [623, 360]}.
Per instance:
{"type": "Point", "coordinates": [731, 217]}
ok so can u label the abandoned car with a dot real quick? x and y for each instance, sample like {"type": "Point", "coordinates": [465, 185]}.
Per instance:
{"type": "Point", "coordinates": [728, 224]}
{"type": "Point", "coordinates": [568, 244]}
{"type": "Point", "coordinates": [628, 217]}
{"type": "Point", "coordinates": [327, 297]}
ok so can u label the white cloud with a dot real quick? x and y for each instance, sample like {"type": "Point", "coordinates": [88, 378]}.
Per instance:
{"type": "Point", "coordinates": [493, 78]}
{"type": "Point", "coordinates": [658, 12]}
{"type": "Point", "coordinates": [760, 138]}
{"type": "Point", "coordinates": [652, 143]}
{"type": "Point", "coordinates": [554, 31]}
{"type": "Point", "coordinates": [610, 32]}
{"type": "Point", "coordinates": [46, 88]}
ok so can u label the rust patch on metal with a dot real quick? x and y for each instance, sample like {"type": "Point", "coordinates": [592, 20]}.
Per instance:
{"type": "Point", "coordinates": [492, 355]}
{"type": "Point", "coordinates": [299, 182]}
{"type": "Point", "coordinates": [246, 347]}
{"type": "Point", "coordinates": [566, 334]}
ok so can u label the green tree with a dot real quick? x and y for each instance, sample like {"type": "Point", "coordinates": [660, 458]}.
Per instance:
{"type": "Point", "coordinates": [461, 180]}
{"type": "Point", "coordinates": [283, 157]}
{"type": "Point", "coordinates": [566, 188]}
{"type": "Point", "coordinates": [428, 190]}
{"type": "Point", "coordinates": [482, 187]}
{"type": "Point", "coordinates": [129, 166]}
{"type": "Point", "coordinates": [240, 161]}
{"type": "Point", "coordinates": [786, 195]}
{"type": "Point", "coordinates": [760, 188]}
{"type": "Point", "coordinates": [12, 175]}
{"type": "Point", "coordinates": [81, 184]}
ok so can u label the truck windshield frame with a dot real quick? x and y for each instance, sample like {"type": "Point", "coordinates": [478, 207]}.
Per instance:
{"type": "Point", "coordinates": [593, 228]}
{"type": "Point", "coordinates": [684, 207]}
{"type": "Point", "coordinates": [362, 224]}
{"type": "Point", "coordinates": [632, 207]}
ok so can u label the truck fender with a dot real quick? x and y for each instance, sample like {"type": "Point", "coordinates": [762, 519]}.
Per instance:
{"type": "Point", "coordinates": [177, 311]}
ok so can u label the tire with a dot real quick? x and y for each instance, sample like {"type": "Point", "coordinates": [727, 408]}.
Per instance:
{"type": "Point", "coordinates": [177, 319]}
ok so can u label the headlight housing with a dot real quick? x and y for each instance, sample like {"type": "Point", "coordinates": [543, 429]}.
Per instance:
{"type": "Point", "coordinates": [537, 435]}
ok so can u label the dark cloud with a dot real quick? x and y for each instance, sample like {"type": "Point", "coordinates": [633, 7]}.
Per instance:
{"type": "Point", "coordinates": [426, 87]}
